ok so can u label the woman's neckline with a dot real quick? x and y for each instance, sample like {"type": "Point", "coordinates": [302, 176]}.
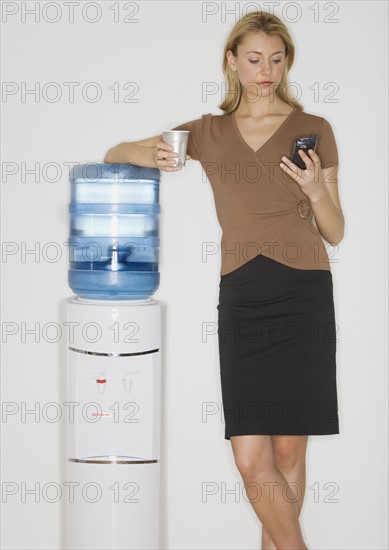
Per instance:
{"type": "Point", "coordinates": [237, 131]}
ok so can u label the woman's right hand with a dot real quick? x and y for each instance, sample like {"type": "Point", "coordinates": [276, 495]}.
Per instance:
{"type": "Point", "coordinates": [164, 156]}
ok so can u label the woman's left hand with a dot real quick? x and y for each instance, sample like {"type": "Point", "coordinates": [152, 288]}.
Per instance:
{"type": "Point", "coordinates": [310, 179]}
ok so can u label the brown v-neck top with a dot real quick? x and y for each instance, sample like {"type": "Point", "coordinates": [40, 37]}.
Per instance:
{"type": "Point", "coordinates": [261, 209]}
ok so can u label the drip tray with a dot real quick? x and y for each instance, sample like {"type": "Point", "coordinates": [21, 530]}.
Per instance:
{"type": "Point", "coordinates": [113, 459]}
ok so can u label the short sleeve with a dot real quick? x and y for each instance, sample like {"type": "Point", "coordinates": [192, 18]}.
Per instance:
{"type": "Point", "coordinates": [196, 136]}
{"type": "Point", "coordinates": [327, 149]}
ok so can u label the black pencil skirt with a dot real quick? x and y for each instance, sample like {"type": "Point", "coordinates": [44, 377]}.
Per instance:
{"type": "Point", "coordinates": [277, 344]}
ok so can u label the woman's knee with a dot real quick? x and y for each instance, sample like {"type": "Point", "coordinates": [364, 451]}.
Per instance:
{"type": "Point", "coordinates": [253, 455]}
{"type": "Point", "coordinates": [289, 450]}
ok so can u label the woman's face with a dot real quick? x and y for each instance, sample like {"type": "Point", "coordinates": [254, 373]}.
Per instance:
{"type": "Point", "coordinates": [260, 58]}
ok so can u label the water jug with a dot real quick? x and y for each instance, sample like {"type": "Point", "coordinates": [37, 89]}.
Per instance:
{"type": "Point", "coordinates": [114, 231]}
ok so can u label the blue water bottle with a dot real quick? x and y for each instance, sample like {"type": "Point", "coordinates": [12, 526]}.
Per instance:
{"type": "Point", "coordinates": [114, 231]}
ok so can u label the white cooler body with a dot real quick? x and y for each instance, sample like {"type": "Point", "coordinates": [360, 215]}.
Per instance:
{"type": "Point", "coordinates": [114, 424]}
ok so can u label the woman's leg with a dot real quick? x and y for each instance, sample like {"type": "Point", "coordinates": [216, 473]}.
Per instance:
{"type": "Point", "coordinates": [289, 458]}
{"type": "Point", "coordinates": [267, 489]}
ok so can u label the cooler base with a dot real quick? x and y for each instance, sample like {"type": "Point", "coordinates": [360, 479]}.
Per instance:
{"type": "Point", "coordinates": [113, 506]}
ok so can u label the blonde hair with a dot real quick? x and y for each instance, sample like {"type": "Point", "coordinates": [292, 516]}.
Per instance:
{"type": "Point", "coordinates": [256, 22]}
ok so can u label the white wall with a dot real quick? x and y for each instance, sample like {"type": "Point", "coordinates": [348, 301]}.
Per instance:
{"type": "Point", "coordinates": [171, 52]}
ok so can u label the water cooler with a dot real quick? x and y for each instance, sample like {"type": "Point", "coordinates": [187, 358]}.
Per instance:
{"type": "Point", "coordinates": [114, 358]}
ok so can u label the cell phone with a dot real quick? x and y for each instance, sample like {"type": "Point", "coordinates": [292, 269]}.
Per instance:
{"type": "Point", "coordinates": [303, 143]}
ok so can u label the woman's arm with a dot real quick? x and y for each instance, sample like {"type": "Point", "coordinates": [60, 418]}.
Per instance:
{"type": "Point", "coordinates": [322, 192]}
{"type": "Point", "coordinates": [134, 152]}
{"type": "Point", "coordinates": [327, 208]}
{"type": "Point", "coordinates": [145, 152]}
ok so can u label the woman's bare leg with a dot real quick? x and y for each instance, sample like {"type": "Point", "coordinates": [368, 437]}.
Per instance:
{"type": "Point", "coordinates": [289, 458]}
{"type": "Point", "coordinates": [267, 489]}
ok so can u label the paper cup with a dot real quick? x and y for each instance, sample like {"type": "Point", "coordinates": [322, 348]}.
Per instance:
{"type": "Point", "coordinates": [178, 139]}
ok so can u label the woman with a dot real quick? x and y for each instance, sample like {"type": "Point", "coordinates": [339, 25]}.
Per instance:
{"type": "Point", "coordinates": [276, 318]}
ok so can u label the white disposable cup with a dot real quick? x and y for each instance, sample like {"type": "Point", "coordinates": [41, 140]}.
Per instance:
{"type": "Point", "coordinates": [178, 139]}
